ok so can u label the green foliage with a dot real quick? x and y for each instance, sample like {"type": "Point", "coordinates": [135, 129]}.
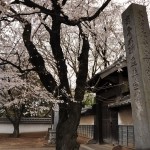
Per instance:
{"type": "Point", "coordinates": [2, 112]}
{"type": "Point", "coordinates": [89, 99]}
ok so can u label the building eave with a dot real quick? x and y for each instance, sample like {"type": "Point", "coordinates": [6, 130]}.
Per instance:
{"type": "Point", "coordinates": [118, 65]}
{"type": "Point", "coordinates": [120, 103]}
{"type": "Point", "coordinates": [112, 68]}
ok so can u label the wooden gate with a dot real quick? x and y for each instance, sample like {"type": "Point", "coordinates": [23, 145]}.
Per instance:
{"type": "Point", "coordinates": [109, 125]}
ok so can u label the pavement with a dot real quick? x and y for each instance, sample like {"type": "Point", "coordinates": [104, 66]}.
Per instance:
{"type": "Point", "coordinates": [86, 146]}
{"type": "Point", "coordinates": [95, 147]}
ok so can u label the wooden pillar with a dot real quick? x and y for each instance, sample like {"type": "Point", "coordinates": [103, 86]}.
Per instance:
{"type": "Point", "coordinates": [98, 122]}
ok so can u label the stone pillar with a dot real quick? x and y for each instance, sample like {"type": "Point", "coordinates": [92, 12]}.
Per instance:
{"type": "Point", "coordinates": [56, 117]}
{"type": "Point", "coordinates": [52, 132]}
{"type": "Point", "coordinates": [137, 44]}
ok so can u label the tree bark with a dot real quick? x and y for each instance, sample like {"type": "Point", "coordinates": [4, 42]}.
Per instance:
{"type": "Point", "coordinates": [16, 130]}
{"type": "Point", "coordinates": [66, 132]}
{"type": "Point", "coordinates": [14, 116]}
{"type": "Point", "coordinates": [66, 135]}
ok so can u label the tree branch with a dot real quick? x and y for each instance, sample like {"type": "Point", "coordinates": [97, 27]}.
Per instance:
{"type": "Point", "coordinates": [64, 18]}
{"type": "Point", "coordinates": [37, 60]}
{"type": "Point", "coordinates": [97, 13]}
{"type": "Point", "coordinates": [64, 2]}
{"type": "Point", "coordinates": [83, 67]}
{"type": "Point", "coordinates": [15, 66]}
{"type": "Point", "coordinates": [33, 5]}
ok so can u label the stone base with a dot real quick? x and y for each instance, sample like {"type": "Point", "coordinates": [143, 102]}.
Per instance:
{"type": "Point", "coordinates": [52, 137]}
{"type": "Point", "coordinates": [92, 141]}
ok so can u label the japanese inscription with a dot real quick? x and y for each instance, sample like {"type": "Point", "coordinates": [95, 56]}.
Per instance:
{"type": "Point", "coordinates": [137, 44]}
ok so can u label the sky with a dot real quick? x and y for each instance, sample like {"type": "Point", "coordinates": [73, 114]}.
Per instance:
{"type": "Point", "coordinates": [120, 1]}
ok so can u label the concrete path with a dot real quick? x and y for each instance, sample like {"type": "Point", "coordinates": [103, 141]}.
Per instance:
{"type": "Point", "coordinates": [95, 147]}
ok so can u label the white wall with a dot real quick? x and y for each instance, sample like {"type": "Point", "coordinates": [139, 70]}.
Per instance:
{"type": "Point", "coordinates": [87, 120]}
{"type": "Point", "coordinates": [8, 128]}
{"type": "Point", "coordinates": [125, 116]}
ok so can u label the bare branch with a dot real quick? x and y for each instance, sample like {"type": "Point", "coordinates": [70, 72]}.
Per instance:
{"type": "Point", "coordinates": [64, 18]}
{"type": "Point", "coordinates": [97, 13]}
{"type": "Point", "coordinates": [33, 5]}
{"type": "Point", "coordinates": [4, 62]}
{"type": "Point", "coordinates": [64, 2]}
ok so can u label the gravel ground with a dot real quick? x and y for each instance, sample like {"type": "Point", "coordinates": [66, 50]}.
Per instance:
{"type": "Point", "coordinates": [26, 141]}
{"type": "Point", "coordinates": [29, 141]}
{"type": "Point", "coordinates": [37, 141]}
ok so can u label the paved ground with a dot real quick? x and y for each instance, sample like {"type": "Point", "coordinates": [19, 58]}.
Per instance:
{"type": "Point", "coordinates": [95, 147]}
{"type": "Point", "coordinates": [37, 141]}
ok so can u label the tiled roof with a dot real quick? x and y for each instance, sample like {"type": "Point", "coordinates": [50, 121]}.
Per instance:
{"type": "Point", "coordinates": [29, 120]}
{"type": "Point", "coordinates": [120, 103]}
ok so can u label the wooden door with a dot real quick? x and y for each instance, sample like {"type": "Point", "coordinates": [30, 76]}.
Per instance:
{"type": "Point", "coordinates": [109, 125]}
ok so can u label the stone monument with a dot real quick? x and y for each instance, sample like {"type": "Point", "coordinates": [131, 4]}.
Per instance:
{"type": "Point", "coordinates": [137, 44]}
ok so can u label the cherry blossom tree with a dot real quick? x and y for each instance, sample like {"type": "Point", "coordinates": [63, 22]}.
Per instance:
{"type": "Point", "coordinates": [12, 97]}
{"type": "Point", "coordinates": [17, 96]}
{"type": "Point", "coordinates": [31, 17]}
{"type": "Point", "coordinates": [19, 86]}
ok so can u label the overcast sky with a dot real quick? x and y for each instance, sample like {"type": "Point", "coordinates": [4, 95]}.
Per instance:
{"type": "Point", "coordinates": [119, 1]}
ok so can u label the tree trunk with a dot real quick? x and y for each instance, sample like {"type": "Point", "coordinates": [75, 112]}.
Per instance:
{"type": "Point", "coordinates": [66, 132]}
{"type": "Point", "coordinates": [16, 130]}
{"type": "Point", "coordinates": [69, 115]}
{"type": "Point", "coordinates": [14, 119]}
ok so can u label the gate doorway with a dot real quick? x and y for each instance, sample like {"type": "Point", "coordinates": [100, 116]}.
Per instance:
{"type": "Point", "coordinates": [109, 125]}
